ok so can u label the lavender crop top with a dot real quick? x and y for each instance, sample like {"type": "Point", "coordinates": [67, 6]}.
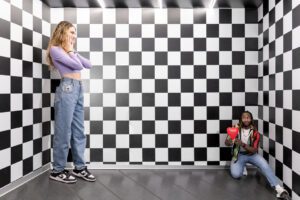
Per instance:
{"type": "Point", "coordinates": [68, 63]}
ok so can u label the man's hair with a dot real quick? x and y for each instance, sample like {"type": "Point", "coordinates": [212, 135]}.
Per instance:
{"type": "Point", "coordinates": [252, 125]}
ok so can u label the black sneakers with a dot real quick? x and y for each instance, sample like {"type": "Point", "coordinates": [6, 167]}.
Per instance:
{"type": "Point", "coordinates": [63, 176]}
{"type": "Point", "coordinates": [84, 174]}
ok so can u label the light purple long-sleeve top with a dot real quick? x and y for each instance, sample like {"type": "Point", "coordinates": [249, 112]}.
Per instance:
{"type": "Point", "coordinates": [68, 63]}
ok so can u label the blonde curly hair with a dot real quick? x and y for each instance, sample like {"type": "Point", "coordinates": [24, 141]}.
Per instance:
{"type": "Point", "coordinates": [57, 39]}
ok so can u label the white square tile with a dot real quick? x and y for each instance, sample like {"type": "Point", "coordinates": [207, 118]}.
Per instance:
{"type": "Point", "coordinates": [109, 99]}
{"type": "Point", "coordinates": [174, 58]}
{"type": "Point", "coordinates": [199, 31]}
{"type": "Point", "coordinates": [27, 52]}
{"type": "Point", "coordinates": [5, 44]}
{"type": "Point", "coordinates": [200, 113]}
{"type": "Point", "coordinates": [148, 141]}
{"type": "Point", "coordinates": [238, 16]}
{"type": "Point", "coordinates": [174, 86]}
{"type": "Point", "coordinates": [135, 155]}
{"type": "Point", "coordinates": [16, 33]}
{"type": "Point", "coordinates": [161, 99]}
{"type": "Point", "coordinates": [187, 44]}
{"type": "Point", "coordinates": [161, 72]}
{"type": "Point", "coordinates": [187, 126]}
{"type": "Point", "coordinates": [187, 154]}
{"type": "Point", "coordinates": [83, 15]}
{"type": "Point", "coordinates": [122, 58]}
{"type": "Point", "coordinates": [5, 10]}
{"type": "Point", "coordinates": [16, 102]}
{"type": "Point", "coordinates": [122, 30]}
{"type": "Point", "coordinates": [295, 120]}
{"type": "Point", "coordinates": [122, 113]}
{"type": "Point", "coordinates": [96, 30]}
{"type": "Point", "coordinates": [148, 30]}
{"type": "Point", "coordinates": [56, 15]}
{"type": "Point", "coordinates": [187, 72]}
{"type": "Point", "coordinates": [135, 44]}
{"type": "Point", "coordinates": [212, 44]}
{"type": "Point", "coordinates": [186, 16]}
{"type": "Point", "coordinates": [200, 58]}
{"type": "Point", "coordinates": [212, 99]}
{"type": "Point", "coordinates": [187, 99]}
{"type": "Point", "coordinates": [109, 44]}
{"type": "Point", "coordinates": [213, 154]}
{"type": "Point", "coordinates": [109, 155]}
{"type": "Point", "coordinates": [109, 16]}
{"type": "Point", "coordinates": [160, 16]}
{"type": "Point", "coordinates": [16, 171]}
{"type": "Point", "coordinates": [161, 44]}
{"type": "Point", "coordinates": [148, 58]}
{"type": "Point", "coordinates": [122, 86]}
{"type": "Point", "coordinates": [148, 86]}
{"type": "Point", "coordinates": [135, 15]}
{"type": "Point", "coordinates": [212, 16]}
{"type": "Point", "coordinates": [37, 8]}
{"type": "Point", "coordinates": [174, 140]}
{"type": "Point", "coordinates": [161, 155]}
{"type": "Point", "coordinates": [225, 57]}
{"type": "Point", "coordinates": [174, 113]}
{"type": "Point", "coordinates": [148, 113]}
{"type": "Point", "coordinates": [122, 141]}
{"type": "Point", "coordinates": [174, 31]}
{"type": "Point", "coordinates": [161, 127]}
{"type": "Point", "coordinates": [135, 99]}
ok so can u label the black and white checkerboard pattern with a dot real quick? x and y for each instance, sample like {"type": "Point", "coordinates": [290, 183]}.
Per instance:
{"type": "Point", "coordinates": [25, 94]}
{"type": "Point", "coordinates": [279, 89]}
{"type": "Point", "coordinates": [165, 83]}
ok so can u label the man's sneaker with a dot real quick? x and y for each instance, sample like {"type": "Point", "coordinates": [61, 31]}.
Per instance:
{"type": "Point", "coordinates": [63, 176]}
{"type": "Point", "coordinates": [84, 174]}
{"type": "Point", "coordinates": [282, 194]}
{"type": "Point", "coordinates": [245, 172]}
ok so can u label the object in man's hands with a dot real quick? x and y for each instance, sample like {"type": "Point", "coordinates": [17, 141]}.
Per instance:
{"type": "Point", "coordinates": [232, 132]}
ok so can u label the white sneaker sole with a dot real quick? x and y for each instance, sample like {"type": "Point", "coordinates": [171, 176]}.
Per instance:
{"type": "Point", "coordinates": [61, 180]}
{"type": "Point", "coordinates": [83, 177]}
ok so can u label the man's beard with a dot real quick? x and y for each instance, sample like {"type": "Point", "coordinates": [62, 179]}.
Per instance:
{"type": "Point", "coordinates": [245, 126]}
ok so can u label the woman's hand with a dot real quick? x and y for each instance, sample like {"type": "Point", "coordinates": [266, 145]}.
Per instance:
{"type": "Point", "coordinates": [69, 44]}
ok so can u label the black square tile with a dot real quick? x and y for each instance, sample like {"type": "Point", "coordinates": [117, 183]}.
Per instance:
{"type": "Point", "coordinates": [238, 30]}
{"type": "Point", "coordinates": [187, 30]}
{"type": "Point", "coordinates": [109, 113]}
{"type": "Point", "coordinates": [225, 16]}
{"type": "Point", "coordinates": [135, 58]}
{"type": "Point", "coordinates": [122, 44]}
{"type": "Point", "coordinates": [212, 30]}
{"type": "Point", "coordinates": [199, 44]}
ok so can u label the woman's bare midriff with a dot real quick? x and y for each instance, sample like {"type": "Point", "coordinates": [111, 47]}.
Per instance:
{"type": "Point", "coordinates": [73, 75]}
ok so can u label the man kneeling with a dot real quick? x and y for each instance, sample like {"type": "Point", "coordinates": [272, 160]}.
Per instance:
{"type": "Point", "coordinates": [245, 150]}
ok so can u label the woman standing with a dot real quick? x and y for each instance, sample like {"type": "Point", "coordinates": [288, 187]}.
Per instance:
{"type": "Point", "coordinates": [68, 104]}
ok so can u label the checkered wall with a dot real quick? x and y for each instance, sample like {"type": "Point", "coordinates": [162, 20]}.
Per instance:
{"type": "Point", "coordinates": [279, 94]}
{"type": "Point", "coordinates": [25, 89]}
{"type": "Point", "coordinates": [165, 83]}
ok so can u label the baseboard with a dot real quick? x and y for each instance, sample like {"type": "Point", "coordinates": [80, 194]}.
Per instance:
{"type": "Point", "coordinates": [21, 181]}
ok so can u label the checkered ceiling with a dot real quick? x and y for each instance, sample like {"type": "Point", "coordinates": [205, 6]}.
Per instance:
{"type": "Point", "coordinates": [152, 3]}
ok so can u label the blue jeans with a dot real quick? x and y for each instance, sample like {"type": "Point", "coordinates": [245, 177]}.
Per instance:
{"type": "Point", "coordinates": [257, 160]}
{"type": "Point", "coordinates": [69, 124]}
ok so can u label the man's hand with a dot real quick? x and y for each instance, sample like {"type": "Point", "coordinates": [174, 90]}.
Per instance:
{"type": "Point", "coordinates": [238, 142]}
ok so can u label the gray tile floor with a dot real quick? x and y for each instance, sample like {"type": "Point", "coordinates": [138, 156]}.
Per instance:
{"type": "Point", "coordinates": [143, 184]}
